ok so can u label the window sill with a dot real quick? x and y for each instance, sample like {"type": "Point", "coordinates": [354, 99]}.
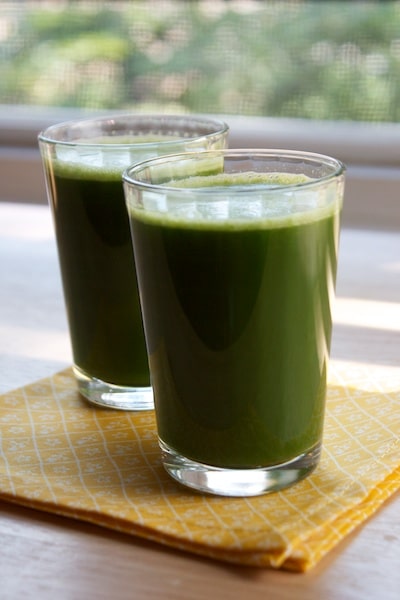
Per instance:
{"type": "Point", "coordinates": [370, 152]}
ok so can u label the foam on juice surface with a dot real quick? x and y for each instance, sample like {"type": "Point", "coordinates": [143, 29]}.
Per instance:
{"type": "Point", "coordinates": [240, 200]}
{"type": "Point", "coordinates": [241, 179]}
{"type": "Point", "coordinates": [104, 158]}
{"type": "Point", "coordinates": [124, 139]}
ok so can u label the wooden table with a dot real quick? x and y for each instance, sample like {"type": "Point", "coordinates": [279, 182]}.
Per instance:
{"type": "Point", "coordinates": [48, 557]}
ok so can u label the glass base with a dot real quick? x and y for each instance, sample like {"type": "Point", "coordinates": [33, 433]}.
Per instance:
{"type": "Point", "coordinates": [238, 482]}
{"type": "Point", "coordinates": [108, 395]}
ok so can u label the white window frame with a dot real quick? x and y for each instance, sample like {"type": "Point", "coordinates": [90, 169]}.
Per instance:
{"type": "Point", "coordinates": [371, 152]}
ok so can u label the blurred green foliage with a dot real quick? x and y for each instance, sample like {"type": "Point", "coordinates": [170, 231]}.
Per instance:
{"type": "Point", "coordinates": [292, 58]}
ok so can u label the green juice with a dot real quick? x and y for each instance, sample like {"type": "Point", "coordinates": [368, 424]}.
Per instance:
{"type": "Point", "coordinates": [238, 327]}
{"type": "Point", "coordinates": [98, 272]}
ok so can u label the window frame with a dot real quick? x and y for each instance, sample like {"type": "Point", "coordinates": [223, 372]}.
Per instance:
{"type": "Point", "coordinates": [370, 151]}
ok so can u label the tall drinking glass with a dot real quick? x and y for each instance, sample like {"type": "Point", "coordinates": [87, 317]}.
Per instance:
{"type": "Point", "coordinates": [83, 163]}
{"type": "Point", "coordinates": [236, 255]}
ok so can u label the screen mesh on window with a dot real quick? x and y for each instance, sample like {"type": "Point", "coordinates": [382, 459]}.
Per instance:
{"type": "Point", "coordinates": [320, 60]}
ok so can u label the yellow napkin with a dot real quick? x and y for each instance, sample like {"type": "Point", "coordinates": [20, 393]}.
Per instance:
{"type": "Point", "coordinates": [59, 454]}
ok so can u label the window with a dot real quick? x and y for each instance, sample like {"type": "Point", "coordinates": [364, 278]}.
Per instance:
{"type": "Point", "coordinates": [321, 76]}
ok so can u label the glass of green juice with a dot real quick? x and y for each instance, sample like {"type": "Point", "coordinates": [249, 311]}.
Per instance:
{"type": "Point", "coordinates": [83, 164]}
{"type": "Point", "coordinates": [236, 255]}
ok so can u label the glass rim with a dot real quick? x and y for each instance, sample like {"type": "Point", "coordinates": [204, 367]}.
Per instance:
{"type": "Point", "coordinates": [324, 159]}
{"type": "Point", "coordinates": [47, 135]}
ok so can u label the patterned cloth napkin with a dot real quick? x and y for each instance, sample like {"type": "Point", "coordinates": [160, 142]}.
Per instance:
{"type": "Point", "coordinates": [61, 455]}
